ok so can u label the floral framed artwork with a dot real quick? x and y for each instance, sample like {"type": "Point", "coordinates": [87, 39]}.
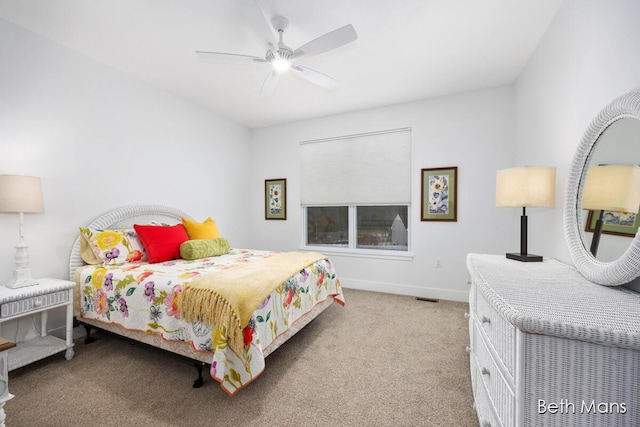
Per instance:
{"type": "Point", "coordinates": [439, 194]}
{"type": "Point", "coordinates": [275, 198]}
{"type": "Point", "coordinates": [617, 223]}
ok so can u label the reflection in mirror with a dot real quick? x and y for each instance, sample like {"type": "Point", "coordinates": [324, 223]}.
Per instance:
{"type": "Point", "coordinates": [618, 144]}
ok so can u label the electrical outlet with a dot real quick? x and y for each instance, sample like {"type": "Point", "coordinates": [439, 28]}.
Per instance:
{"type": "Point", "coordinates": [438, 263]}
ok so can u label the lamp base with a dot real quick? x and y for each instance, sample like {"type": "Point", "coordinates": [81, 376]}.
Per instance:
{"type": "Point", "coordinates": [22, 278]}
{"type": "Point", "coordinates": [525, 257]}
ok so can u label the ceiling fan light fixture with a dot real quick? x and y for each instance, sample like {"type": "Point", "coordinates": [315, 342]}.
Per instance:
{"type": "Point", "coordinates": [281, 65]}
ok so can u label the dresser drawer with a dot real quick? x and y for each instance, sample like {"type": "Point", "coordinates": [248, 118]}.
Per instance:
{"type": "Point", "coordinates": [501, 334]}
{"type": "Point", "coordinates": [489, 375]}
{"type": "Point", "coordinates": [486, 416]}
{"type": "Point", "coordinates": [20, 307]}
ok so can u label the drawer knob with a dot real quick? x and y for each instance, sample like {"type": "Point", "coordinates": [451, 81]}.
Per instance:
{"type": "Point", "coordinates": [467, 349]}
{"type": "Point", "coordinates": [467, 316]}
{"type": "Point", "coordinates": [485, 371]}
{"type": "Point", "coordinates": [486, 423]}
{"type": "Point", "coordinates": [485, 319]}
{"type": "Point", "coordinates": [37, 303]}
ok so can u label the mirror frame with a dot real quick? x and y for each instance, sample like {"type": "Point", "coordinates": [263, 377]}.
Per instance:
{"type": "Point", "coordinates": [627, 267]}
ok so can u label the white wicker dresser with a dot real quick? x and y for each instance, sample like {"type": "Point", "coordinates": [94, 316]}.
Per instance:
{"type": "Point", "coordinates": [550, 348]}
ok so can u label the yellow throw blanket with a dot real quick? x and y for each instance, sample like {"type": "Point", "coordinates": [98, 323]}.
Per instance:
{"type": "Point", "coordinates": [228, 298]}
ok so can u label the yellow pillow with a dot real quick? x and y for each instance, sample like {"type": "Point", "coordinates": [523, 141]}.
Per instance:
{"type": "Point", "coordinates": [201, 230]}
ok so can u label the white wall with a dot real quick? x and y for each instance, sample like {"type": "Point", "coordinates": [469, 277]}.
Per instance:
{"type": "Point", "coordinates": [100, 139]}
{"type": "Point", "coordinates": [588, 57]}
{"type": "Point", "coordinates": [473, 131]}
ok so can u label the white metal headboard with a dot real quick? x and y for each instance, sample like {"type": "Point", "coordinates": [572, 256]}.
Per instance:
{"type": "Point", "coordinates": [125, 217]}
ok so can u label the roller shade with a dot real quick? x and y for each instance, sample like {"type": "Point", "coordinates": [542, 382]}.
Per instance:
{"type": "Point", "coordinates": [363, 169]}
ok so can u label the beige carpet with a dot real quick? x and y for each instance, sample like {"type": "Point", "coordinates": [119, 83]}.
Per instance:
{"type": "Point", "coordinates": [382, 360]}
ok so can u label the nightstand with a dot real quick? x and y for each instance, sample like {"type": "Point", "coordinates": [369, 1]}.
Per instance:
{"type": "Point", "coordinates": [46, 295]}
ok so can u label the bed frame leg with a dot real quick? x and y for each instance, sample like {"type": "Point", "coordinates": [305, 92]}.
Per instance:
{"type": "Point", "coordinates": [89, 339]}
{"type": "Point", "coordinates": [200, 380]}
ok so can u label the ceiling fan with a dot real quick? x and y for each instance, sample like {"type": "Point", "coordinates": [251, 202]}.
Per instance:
{"type": "Point", "coordinates": [281, 57]}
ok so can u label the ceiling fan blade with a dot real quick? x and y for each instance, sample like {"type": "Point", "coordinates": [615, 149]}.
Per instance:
{"type": "Point", "coordinates": [229, 57]}
{"type": "Point", "coordinates": [327, 42]}
{"type": "Point", "coordinates": [316, 77]}
{"type": "Point", "coordinates": [270, 84]}
{"type": "Point", "coordinates": [254, 15]}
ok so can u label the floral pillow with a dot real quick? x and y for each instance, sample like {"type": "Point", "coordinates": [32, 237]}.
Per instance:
{"type": "Point", "coordinates": [110, 246]}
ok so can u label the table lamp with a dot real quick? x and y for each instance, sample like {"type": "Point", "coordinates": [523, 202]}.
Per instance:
{"type": "Point", "coordinates": [523, 187]}
{"type": "Point", "coordinates": [21, 194]}
{"type": "Point", "coordinates": [611, 188]}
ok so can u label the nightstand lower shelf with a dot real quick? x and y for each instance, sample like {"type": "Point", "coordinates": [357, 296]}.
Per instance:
{"type": "Point", "coordinates": [34, 349]}
{"type": "Point", "coordinates": [38, 300]}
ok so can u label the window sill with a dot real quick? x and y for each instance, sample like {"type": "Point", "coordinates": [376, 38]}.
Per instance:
{"type": "Point", "coordinates": [361, 253]}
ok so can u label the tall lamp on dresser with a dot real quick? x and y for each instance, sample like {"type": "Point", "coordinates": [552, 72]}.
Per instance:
{"type": "Point", "coordinates": [523, 187]}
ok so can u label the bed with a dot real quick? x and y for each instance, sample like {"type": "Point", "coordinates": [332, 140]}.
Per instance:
{"type": "Point", "coordinates": [153, 302]}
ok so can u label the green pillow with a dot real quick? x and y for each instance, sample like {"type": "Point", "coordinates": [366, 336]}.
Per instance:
{"type": "Point", "coordinates": [203, 248]}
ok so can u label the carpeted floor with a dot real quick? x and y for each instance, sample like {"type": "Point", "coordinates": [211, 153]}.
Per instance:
{"type": "Point", "coordinates": [382, 360]}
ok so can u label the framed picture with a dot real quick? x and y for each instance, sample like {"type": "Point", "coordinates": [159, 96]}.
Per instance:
{"type": "Point", "coordinates": [275, 198]}
{"type": "Point", "coordinates": [439, 194]}
{"type": "Point", "coordinates": [618, 223]}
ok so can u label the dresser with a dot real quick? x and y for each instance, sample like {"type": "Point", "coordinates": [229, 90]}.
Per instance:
{"type": "Point", "coordinates": [549, 348]}
{"type": "Point", "coordinates": [38, 300]}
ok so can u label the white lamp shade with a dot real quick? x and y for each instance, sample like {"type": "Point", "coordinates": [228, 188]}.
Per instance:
{"type": "Point", "coordinates": [19, 193]}
{"type": "Point", "coordinates": [527, 186]}
{"type": "Point", "coordinates": [614, 188]}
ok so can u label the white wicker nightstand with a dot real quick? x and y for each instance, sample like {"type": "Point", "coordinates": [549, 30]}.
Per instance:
{"type": "Point", "coordinates": [40, 298]}
{"type": "Point", "coordinates": [550, 348]}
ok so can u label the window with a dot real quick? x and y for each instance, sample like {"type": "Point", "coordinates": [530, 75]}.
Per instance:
{"type": "Point", "coordinates": [355, 191]}
{"type": "Point", "coordinates": [375, 227]}
{"type": "Point", "coordinates": [328, 226]}
{"type": "Point", "coordinates": [382, 227]}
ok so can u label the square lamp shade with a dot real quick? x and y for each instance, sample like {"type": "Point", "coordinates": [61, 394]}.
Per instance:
{"type": "Point", "coordinates": [527, 186]}
{"type": "Point", "coordinates": [21, 194]}
{"type": "Point", "coordinates": [614, 188]}
{"type": "Point", "coordinates": [611, 188]}
{"type": "Point", "coordinates": [523, 187]}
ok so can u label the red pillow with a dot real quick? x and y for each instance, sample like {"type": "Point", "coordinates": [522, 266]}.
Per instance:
{"type": "Point", "coordinates": [162, 243]}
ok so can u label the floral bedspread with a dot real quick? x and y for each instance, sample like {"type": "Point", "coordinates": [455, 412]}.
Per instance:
{"type": "Point", "coordinates": [143, 297]}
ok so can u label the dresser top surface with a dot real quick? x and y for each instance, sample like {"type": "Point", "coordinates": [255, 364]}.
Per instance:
{"type": "Point", "coordinates": [553, 298]}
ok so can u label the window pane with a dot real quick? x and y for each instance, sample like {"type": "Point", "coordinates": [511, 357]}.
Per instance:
{"type": "Point", "coordinates": [328, 226]}
{"type": "Point", "coordinates": [382, 227]}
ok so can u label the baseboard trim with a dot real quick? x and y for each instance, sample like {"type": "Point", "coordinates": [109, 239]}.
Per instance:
{"type": "Point", "coordinates": [400, 289]}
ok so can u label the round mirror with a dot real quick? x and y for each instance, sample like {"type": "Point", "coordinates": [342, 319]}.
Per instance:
{"type": "Point", "coordinates": [604, 142]}
{"type": "Point", "coordinates": [618, 145]}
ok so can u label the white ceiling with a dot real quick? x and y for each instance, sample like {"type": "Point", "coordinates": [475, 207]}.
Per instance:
{"type": "Point", "coordinates": [406, 49]}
